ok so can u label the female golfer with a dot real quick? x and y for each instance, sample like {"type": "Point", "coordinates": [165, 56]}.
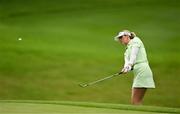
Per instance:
{"type": "Point", "coordinates": [136, 60]}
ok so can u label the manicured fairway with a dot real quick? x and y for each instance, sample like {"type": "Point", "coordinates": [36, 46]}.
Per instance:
{"type": "Point", "coordinates": [31, 108]}
{"type": "Point", "coordinates": [49, 107]}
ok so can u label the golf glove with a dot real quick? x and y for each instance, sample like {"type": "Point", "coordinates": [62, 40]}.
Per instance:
{"type": "Point", "coordinates": [126, 68]}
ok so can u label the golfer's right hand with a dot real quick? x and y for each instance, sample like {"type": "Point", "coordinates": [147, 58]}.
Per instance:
{"type": "Point", "coordinates": [126, 69]}
{"type": "Point", "coordinates": [123, 70]}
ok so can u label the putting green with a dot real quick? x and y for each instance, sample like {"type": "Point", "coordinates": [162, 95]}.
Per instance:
{"type": "Point", "coordinates": [30, 107]}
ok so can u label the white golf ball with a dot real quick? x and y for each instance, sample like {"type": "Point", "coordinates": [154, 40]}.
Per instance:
{"type": "Point", "coordinates": [19, 39]}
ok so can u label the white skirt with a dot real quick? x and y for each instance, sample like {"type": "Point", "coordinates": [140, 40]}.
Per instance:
{"type": "Point", "coordinates": [143, 77]}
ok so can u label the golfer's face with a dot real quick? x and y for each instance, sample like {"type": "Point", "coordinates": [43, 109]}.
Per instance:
{"type": "Point", "coordinates": [124, 40]}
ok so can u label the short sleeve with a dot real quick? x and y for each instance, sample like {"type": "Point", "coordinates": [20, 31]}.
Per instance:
{"type": "Point", "coordinates": [136, 44]}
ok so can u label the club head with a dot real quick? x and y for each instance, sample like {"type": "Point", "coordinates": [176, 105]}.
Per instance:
{"type": "Point", "coordinates": [83, 85]}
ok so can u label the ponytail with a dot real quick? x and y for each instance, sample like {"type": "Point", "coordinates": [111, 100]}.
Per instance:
{"type": "Point", "coordinates": [132, 35]}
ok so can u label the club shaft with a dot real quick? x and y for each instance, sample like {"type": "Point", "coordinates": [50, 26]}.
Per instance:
{"type": "Point", "coordinates": [100, 80]}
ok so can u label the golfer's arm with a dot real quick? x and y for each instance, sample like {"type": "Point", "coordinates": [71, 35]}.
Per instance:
{"type": "Point", "coordinates": [126, 61]}
{"type": "Point", "coordinates": [133, 55]}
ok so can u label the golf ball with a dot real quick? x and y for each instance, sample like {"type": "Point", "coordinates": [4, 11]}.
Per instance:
{"type": "Point", "coordinates": [19, 39]}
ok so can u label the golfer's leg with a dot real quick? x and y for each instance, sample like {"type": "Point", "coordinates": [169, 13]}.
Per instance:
{"type": "Point", "coordinates": [137, 95]}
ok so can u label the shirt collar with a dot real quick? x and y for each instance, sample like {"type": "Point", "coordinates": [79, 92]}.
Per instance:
{"type": "Point", "coordinates": [129, 42]}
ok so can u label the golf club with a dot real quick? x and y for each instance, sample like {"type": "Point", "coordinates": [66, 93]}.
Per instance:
{"type": "Point", "coordinates": [100, 80]}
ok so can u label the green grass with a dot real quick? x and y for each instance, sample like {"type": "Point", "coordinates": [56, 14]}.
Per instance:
{"type": "Point", "coordinates": [20, 106]}
{"type": "Point", "coordinates": [67, 42]}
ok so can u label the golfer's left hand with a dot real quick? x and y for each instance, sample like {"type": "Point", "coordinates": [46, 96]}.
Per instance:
{"type": "Point", "coordinates": [127, 68]}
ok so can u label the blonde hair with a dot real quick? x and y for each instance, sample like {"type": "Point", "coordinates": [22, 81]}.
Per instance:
{"type": "Point", "coordinates": [132, 34]}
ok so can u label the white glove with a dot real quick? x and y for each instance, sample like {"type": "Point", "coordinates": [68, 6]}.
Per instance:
{"type": "Point", "coordinates": [127, 68]}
